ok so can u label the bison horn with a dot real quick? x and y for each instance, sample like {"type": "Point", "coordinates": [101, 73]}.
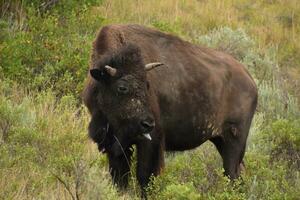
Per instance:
{"type": "Point", "coordinates": [150, 66]}
{"type": "Point", "coordinates": [110, 70]}
{"type": "Point", "coordinates": [147, 135]}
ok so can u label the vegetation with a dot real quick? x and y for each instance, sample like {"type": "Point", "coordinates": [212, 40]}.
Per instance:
{"type": "Point", "coordinates": [44, 53]}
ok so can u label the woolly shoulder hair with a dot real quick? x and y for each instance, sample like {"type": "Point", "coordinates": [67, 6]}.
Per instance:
{"type": "Point", "coordinates": [127, 56]}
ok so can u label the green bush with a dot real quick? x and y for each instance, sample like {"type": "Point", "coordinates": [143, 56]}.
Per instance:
{"type": "Point", "coordinates": [234, 42]}
{"type": "Point", "coordinates": [275, 102]}
{"type": "Point", "coordinates": [52, 51]}
{"type": "Point", "coordinates": [181, 192]}
{"type": "Point", "coordinates": [285, 130]}
{"type": "Point", "coordinates": [285, 137]}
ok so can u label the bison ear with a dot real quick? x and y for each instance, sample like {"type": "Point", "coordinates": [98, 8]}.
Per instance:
{"type": "Point", "coordinates": [96, 74]}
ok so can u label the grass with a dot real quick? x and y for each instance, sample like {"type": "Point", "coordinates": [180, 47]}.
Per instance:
{"type": "Point", "coordinates": [44, 51]}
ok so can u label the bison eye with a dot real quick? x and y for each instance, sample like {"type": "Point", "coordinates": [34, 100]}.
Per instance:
{"type": "Point", "coordinates": [122, 89]}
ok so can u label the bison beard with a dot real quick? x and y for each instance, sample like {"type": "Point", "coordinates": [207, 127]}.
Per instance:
{"type": "Point", "coordinates": [198, 94]}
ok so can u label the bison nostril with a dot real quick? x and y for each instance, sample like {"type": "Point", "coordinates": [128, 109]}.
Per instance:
{"type": "Point", "coordinates": [147, 125]}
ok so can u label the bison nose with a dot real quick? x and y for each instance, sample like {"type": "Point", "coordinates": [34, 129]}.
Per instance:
{"type": "Point", "coordinates": [147, 125]}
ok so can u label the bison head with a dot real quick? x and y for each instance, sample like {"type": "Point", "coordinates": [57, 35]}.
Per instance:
{"type": "Point", "coordinates": [123, 96]}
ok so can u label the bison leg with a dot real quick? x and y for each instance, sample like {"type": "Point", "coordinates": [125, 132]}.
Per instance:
{"type": "Point", "coordinates": [119, 167]}
{"type": "Point", "coordinates": [149, 162]}
{"type": "Point", "coordinates": [233, 159]}
{"type": "Point", "coordinates": [232, 150]}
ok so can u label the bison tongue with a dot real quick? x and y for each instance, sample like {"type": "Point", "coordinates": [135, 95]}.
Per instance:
{"type": "Point", "coordinates": [147, 135]}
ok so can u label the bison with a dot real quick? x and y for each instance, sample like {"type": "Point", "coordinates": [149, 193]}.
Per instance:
{"type": "Point", "coordinates": [158, 92]}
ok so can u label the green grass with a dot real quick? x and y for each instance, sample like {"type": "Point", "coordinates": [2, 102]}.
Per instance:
{"type": "Point", "coordinates": [44, 55]}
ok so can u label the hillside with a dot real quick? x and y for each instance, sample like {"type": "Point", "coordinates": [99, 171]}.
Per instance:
{"type": "Point", "coordinates": [45, 45]}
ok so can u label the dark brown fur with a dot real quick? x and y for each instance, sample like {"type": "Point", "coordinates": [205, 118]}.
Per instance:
{"type": "Point", "coordinates": [199, 94]}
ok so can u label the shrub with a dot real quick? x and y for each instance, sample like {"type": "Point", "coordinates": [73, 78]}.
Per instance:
{"type": "Point", "coordinates": [184, 191]}
{"type": "Point", "coordinates": [52, 51]}
{"type": "Point", "coordinates": [234, 42]}
{"type": "Point", "coordinates": [285, 136]}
